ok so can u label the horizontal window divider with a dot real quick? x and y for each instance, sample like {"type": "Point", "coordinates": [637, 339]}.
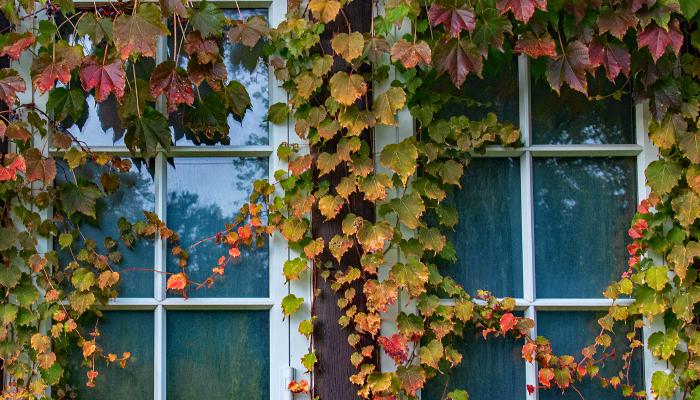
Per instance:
{"type": "Point", "coordinates": [500, 151]}
{"type": "Point", "coordinates": [557, 304]}
{"type": "Point", "coordinates": [215, 303]}
{"type": "Point", "coordinates": [184, 151]}
{"type": "Point", "coordinates": [220, 3]}
{"type": "Point", "coordinates": [591, 150]}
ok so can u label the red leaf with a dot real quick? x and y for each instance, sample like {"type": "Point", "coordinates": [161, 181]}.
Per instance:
{"type": "Point", "coordinates": [455, 20]}
{"type": "Point", "coordinates": [10, 84]}
{"type": "Point", "coordinates": [508, 322]}
{"type": "Point", "coordinates": [38, 167]}
{"type": "Point", "coordinates": [55, 65]}
{"type": "Point", "coordinates": [546, 375]}
{"type": "Point", "coordinates": [215, 74]}
{"type": "Point", "coordinates": [207, 50]}
{"type": "Point", "coordinates": [248, 32]}
{"type": "Point", "coordinates": [657, 39]}
{"type": "Point", "coordinates": [616, 22]}
{"type": "Point", "coordinates": [168, 79]}
{"type": "Point", "coordinates": [570, 68]}
{"type": "Point", "coordinates": [613, 56]}
{"type": "Point", "coordinates": [536, 47]}
{"type": "Point", "coordinates": [177, 281]}
{"type": "Point", "coordinates": [298, 387]}
{"type": "Point", "coordinates": [522, 9]}
{"type": "Point", "coordinates": [10, 172]}
{"type": "Point", "coordinates": [104, 78]}
{"type": "Point", "coordinates": [411, 54]}
{"type": "Point", "coordinates": [458, 57]}
{"type": "Point", "coordinates": [528, 351]}
{"type": "Point", "coordinates": [396, 346]}
{"type": "Point", "coordinates": [15, 43]}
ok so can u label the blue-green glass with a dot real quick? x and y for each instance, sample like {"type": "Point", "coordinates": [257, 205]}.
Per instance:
{"type": "Point", "coordinates": [496, 91]}
{"type": "Point", "coordinates": [571, 331]}
{"type": "Point", "coordinates": [570, 118]}
{"type": "Point", "coordinates": [135, 194]}
{"type": "Point", "coordinates": [248, 67]}
{"type": "Point", "coordinates": [488, 236]}
{"type": "Point", "coordinates": [120, 331]}
{"type": "Point", "coordinates": [204, 194]}
{"type": "Point", "coordinates": [491, 369]}
{"type": "Point", "coordinates": [583, 207]}
{"type": "Point", "coordinates": [218, 355]}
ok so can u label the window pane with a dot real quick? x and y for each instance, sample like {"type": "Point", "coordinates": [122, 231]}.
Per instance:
{"type": "Point", "coordinates": [120, 331]}
{"type": "Point", "coordinates": [583, 207]}
{"type": "Point", "coordinates": [204, 194]}
{"type": "Point", "coordinates": [488, 235]}
{"type": "Point", "coordinates": [135, 194]}
{"type": "Point", "coordinates": [497, 92]}
{"type": "Point", "coordinates": [246, 66]}
{"type": "Point", "coordinates": [570, 332]}
{"type": "Point", "coordinates": [491, 369]}
{"type": "Point", "coordinates": [570, 118]}
{"type": "Point", "coordinates": [224, 353]}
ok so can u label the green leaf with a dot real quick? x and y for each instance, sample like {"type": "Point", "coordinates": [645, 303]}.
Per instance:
{"type": "Point", "coordinates": [146, 132]}
{"type": "Point", "coordinates": [431, 239]}
{"type": "Point", "coordinates": [8, 237]}
{"type": "Point", "coordinates": [306, 327]}
{"type": "Point", "coordinates": [80, 199]}
{"type": "Point", "coordinates": [66, 105]}
{"type": "Point", "coordinates": [413, 275]}
{"type": "Point", "coordinates": [687, 207]}
{"type": "Point", "coordinates": [657, 277]}
{"type": "Point", "coordinates": [663, 176]}
{"type": "Point", "coordinates": [8, 314]}
{"type": "Point", "coordinates": [401, 158]}
{"type": "Point", "coordinates": [458, 395]}
{"type": "Point", "coordinates": [81, 301]}
{"type": "Point", "coordinates": [372, 237]}
{"type": "Point", "coordinates": [663, 344]}
{"type": "Point", "coordinates": [278, 112]}
{"type": "Point", "coordinates": [664, 135]}
{"type": "Point", "coordinates": [26, 294]}
{"type": "Point", "coordinates": [663, 384]}
{"type": "Point", "coordinates": [291, 304]}
{"type": "Point", "coordinates": [208, 19]}
{"type": "Point", "coordinates": [53, 374]}
{"type": "Point", "coordinates": [649, 302]}
{"type": "Point", "coordinates": [431, 354]}
{"type": "Point", "coordinates": [387, 104]}
{"type": "Point", "coordinates": [308, 361]}
{"type": "Point", "coordinates": [10, 275]}
{"type": "Point", "coordinates": [83, 279]}
{"type": "Point", "coordinates": [96, 28]}
{"type": "Point", "coordinates": [237, 98]}
{"type": "Point", "coordinates": [689, 8]}
{"type": "Point", "coordinates": [409, 209]}
{"type": "Point", "coordinates": [690, 144]}
{"type": "Point", "coordinates": [294, 267]}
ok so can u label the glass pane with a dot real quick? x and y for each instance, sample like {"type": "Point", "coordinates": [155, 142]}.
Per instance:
{"type": "Point", "coordinates": [224, 353]}
{"type": "Point", "coordinates": [248, 67]}
{"type": "Point", "coordinates": [497, 92]}
{"type": "Point", "coordinates": [570, 332]}
{"type": "Point", "coordinates": [488, 235]}
{"type": "Point", "coordinates": [203, 195]}
{"type": "Point", "coordinates": [120, 331]}
{"type": "Point", "coordinates": [135, 194]}
{"type": "Point", "coordinates": [583, 207]}
{"type": "Point", "coordinates": [570, 118]}
{"type": "Point", "coordinates": [492, 369]}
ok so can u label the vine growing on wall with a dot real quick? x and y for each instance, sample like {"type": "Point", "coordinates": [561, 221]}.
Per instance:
{"type": "Point", "coordinates": [337, 97]}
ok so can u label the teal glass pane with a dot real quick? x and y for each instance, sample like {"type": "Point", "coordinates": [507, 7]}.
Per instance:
{"type": "Point", "coordinates": [135, 194]}
{"type": "Point", "coordinates": [120, 331]}
{"type": "Point", "coordinates": [490, 369]}
{"type": "Point", "coordinates": [496, 92]}
{"type": "Point", "coordinates": [218, 355]}
{"type": "Point", "coordinates": [570, 118]}
{"type": "Point", "coordinates": [204, 194]}
{"type": "Point", "coordinates": [488, 236]}
{"type": "Point", "coordinates": [248, 67]}
{"type": "Point", "coordinates": [571, 331]}
{"type": "Point", "coordinates": [583, 207]}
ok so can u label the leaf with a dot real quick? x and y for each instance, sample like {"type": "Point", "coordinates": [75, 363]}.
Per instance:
{"type": "Point", "coordinates": [13, 44]}
{"type": "Point", "coordinates": [137, 34]}
{"type": "Point", "coordinates": [387, 104]}
{"type": "Point", "coordinates": [664, 135]}
{"type": "Point", "coordinates": [523, 10]}
{"type": "Point", "coordinates": [172, 81]}
{"type": "Point", "coordinates": [237, 98]}
{"type": "Point", "coordinates": [663, 175]}
{"type": "Point", "coordinates": [349, 46]}
{"type": "Point", "coordinates": [107, 279]}
{"type": "Point", "coordinates": [208, 19]}
{"type": "Point", "coordinates": [293, 268]}
{"type": "Point", "coordinates": [658, 39]}
{"type": "Point", "coordinates": [83, 279]}
{"type": "Point", "coordinates": [81, 301]}
{"type": "Point", "coordinates": [355, 120]}
{"type": "Point", "coordinates": [95, 28]}
{"type": "Point", "coordinates": [8, 314]}
{"type": "Point", "coordinates": [177, 282]}
{"type": "Point", "coordinates": [278, 113]}
{"type": "Point", "coordinates": [66, 103]}
{"type": "Point", "coordinates": [206, 50]}
{"type": "Point", "coordinates": [535, 47]}
{"type": "Point", "coordinates": [431, 354]}
{"type": "Point", "coordinates": [10, 84]}
{"type": "Point", "coordinates": [458, 57]}
{"type": "Point", "coordinates": [458, 395]}
{"type": "Point", "coordinates": [214, 74]}
{"type": "Point", "coordinates": [690, 144]}
{"type": "Point", "coordinates": [413, 276]}
{"type": "Point", "coordinates": [65, 240]}
{"type": "Point", "coordinates": [454, 19]}
{"type": "Point", "coordinates": [49, 66]}
{"type": "Point", "coordinates": [409, 209]}
{"type": "Point", "coordinates": [656, 277]}
{"type": "Point", "coordinates": [491, 29]}
{"type": "Point", "coordinates": [410, 54]}
{"type": "Point", "coordinates": [249, 32]}
{"type": "Point", "coordinates": [9, 275]}
{"type": "Point", "coordinates": [291, 304]}
{"type": "Point", "coordinates": [39, 168]}
{"type": "Point", "coordinates": [308, 361]}
{"type": "Point", "coordinates": [346, 89]}
{"type": "Point", "coordinates": [325, 10]}
{"type": "Point", "coordinates": [689, 8]}
{"type": "Point", "coordinates": [293, 229]}
{"type": "Point", "coordinates": [372, 237]}
{"type": "Point", "coordinates": [104, 78]}
{"type": "Point", "coordinates": [411, 379]}
{"type": "Point", "coordinates": [330, 206]}
{"type": "Point", "coordinates": [663, 344]}
{"type": "Point", "coordinates": [687, 207]}
{"type": "Point", "coordinates": [664, 384]}
{"type": "Point", "coordinates": [613, 56]}
{"type": "Point", "coordinates": [170, 7]}
{"type": "Point", "coordinates": [147, 132]}
{"type": "Point", "coordinates": [80, 199]}
{"type": "Point", "coordinates": [401, 158]}
{"type": "Point", "coordinates": [570, 67]}
{"type": "Point", "coordinates": [616, 21]}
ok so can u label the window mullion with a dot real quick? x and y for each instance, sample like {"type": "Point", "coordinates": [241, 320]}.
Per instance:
{"type": "Point", "coordinates": [159, 389]}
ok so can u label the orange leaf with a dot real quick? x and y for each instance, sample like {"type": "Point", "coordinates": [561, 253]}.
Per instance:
{"type": "Point", "coordinates": [177, 281]}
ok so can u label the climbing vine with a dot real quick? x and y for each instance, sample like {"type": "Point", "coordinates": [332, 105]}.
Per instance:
{"type": "Point", "coordinates": [343, 83]}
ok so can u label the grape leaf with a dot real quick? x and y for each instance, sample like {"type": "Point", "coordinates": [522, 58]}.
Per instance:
{"type": "Point", "coordinates": [410, 54]}
{"type": "Point", "coordinates": [346, 89]}
{"type": "Point", "coordinates": [409, 209]}
{"type": "Point", "coordinates": [10, 84]}
{"type": "Point", "coordinates": [54, 65]}
{"type": "Point", "coordinates": [401, 158]}
{"type": "Point", "coordinates": [522, 9]}
{"type": "Point", "coordinates": [458, 57]}
{"type": "Point", "coordinates": [95, 28]}
{"type": "Point", "coordinates": [658, 39]}
{"type": "Point", "coordinates": [146, 132]}
{"type": "Point", "coordinates": [170, 7]}
{"type": "Point", "coordinates": [570, 67]}
{"type": "Point", "coordinates": [325, 10]}
{"type": "Point", "coordinates": [663, 176]}
{"type": "Point", "coordinates": [613, 56]}
{"type": "Point", "coordinates": [689, 142]}
{"type": "Point", "coordinates": [207, 118]}
{"type": "Point", "coordinates": [348, 46]}
{"type": "Point", "coordinates": [249, 32]}
{"type": "Point", "coordinates": [237, 98]}
{"type": "Point", "coordinates": [490, 29]}
{"type": "Point", "coordinates": [137, 33]}
{"type": "Point", "coordinates": [207, 50]}
{"type": "Point", "coordinates": [617, 21]}
{"type": "Point", "coordinates": [689, 8]}
{"type": "Point", "coordinates": [214, 74]}
{"type": "Point", "coordinates": [291, 304]}
{"type": "Point", "coordinates": [454, 19]}
{"type": "Point", "coordinates": [104, 78]}
{"type": "Point", "coordinates": [39, 168]}
{"type": "Point", "coordinates": [172, 81]}
{"type": "Point", "coordinates": [535, 47]}
{"type": "Point", "coordinates": [13, 44]}
{"type": "Point", "coordinates": [79, 198]}
{"type": "Point", "coordinates": [208, 19]}
{"type": "Point", "coordinates": [387, 104]}
{"type": "Point", "coordinates": [411, 378]}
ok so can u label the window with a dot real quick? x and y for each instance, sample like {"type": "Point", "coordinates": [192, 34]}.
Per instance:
{"type": "Point", "coordinates": [229, 338]}
{"type": "Point", "coordinates": [545, 224]}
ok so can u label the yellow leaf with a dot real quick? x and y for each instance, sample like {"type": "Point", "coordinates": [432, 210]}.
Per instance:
{"type": "Point", "coordinates": [325, 10]}
{"type": "Point", "coordinates": [346, 89]}
{"type": "Point", "coordinates": [348, 46]}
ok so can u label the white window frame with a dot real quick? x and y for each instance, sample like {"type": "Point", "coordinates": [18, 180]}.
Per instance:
{"type": "Point", "coordinates": [287, 346]}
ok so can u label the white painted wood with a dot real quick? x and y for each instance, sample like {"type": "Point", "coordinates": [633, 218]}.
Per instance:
{"type": "Point", "coordinates": [531, 367]}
